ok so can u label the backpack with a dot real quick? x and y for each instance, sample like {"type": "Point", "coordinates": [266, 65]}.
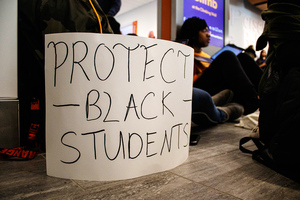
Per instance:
{"type": "Point", "coordinates": [278, 141]}
{"type": "Point", "coordinates": [279, 91]}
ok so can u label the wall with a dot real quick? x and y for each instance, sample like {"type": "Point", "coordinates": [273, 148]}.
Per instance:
{"type": "Point", "coordinates": [146, 16]}
{"type": "Point", "coordinates": [245, 24]}
{"type": "Point", "coordinates": [9, 118]}
{"type": "Point", "coordinates": [8, 49]}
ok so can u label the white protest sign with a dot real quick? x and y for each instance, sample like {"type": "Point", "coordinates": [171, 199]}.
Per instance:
{"type": "Point", "coordinates": [117, 107]}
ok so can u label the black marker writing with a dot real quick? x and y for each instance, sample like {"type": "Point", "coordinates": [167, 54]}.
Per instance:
{"type": "Point", "coordinates": [147, 62]}
{"type": "Point", "coordinates": [79, 154]}
{"type": "Point", "coordinates": [131, 101]}
{"type": "Point", "coordinates": [94, 140]}
{"type": "Point", "coordinates": [89, 105]}
{"type": "Point", "coordinates": [134, 141]}
{"type": "Point", "coordinates": [128, 54]}
{"type": "Point", "coordinates": [185, 56]}
{"type": "Point", "coordinates": [121, 143]}
{"type": "Point", "coordinates": [161, 66]}
{"type": "Point", "coordinates": [95, 62]}
{"type": "Point", "coordinates": [78, 62]}
{"type": "Point", "coordinates": [56, 66]}
{"type": "Point", "coordinates": [164, 105]}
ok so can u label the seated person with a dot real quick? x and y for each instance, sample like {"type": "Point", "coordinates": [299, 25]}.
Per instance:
{"type": "Point", "coordinates": [238, 73]}
{"type": "Point", "coordinates": [261, 61]}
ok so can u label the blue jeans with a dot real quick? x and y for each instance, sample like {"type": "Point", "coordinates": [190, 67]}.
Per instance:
{"type": "Point", "coordinates": [204, 111]}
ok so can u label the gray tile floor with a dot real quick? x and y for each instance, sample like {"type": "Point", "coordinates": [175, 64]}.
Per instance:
{"type": "Point", "coordinates": [215, 169]}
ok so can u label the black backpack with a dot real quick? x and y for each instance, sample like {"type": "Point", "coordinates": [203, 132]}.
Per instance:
{"type": "Point", "coordinates": [279, 91]}
{"type": "Point", "coordinates": [35, 19]}
{"type": "Point", "coordinates": [279, 135]}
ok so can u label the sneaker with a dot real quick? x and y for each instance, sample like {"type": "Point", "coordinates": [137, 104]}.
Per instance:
{"type": "Point", "coordinates": [223, 97]}
{"type": "Point", "coordinates": [232, 110]}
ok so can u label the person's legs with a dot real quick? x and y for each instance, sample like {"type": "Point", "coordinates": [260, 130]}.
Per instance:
{"type": "Point", "coordinates": [252, 70]}
{"type": "Point", "coordinates": [226, 72]}
{"type": "Point", "coordinates": [204, 111]}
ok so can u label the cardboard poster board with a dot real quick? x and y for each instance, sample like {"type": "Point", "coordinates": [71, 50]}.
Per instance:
{"type": "Point", "coordinates": [117, 107]}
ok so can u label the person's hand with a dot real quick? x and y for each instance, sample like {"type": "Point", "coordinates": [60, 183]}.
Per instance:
{"type": "Point", "coordinates": [263, 65]}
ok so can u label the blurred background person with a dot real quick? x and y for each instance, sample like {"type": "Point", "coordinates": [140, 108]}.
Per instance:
{"type": "Point", "coordinates": [250, 51]}
{"type": "Point", "coordinates": [261, 61]}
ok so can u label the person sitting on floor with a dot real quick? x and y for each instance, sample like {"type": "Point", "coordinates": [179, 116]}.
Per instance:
{"type": "Point", "coordinates": [238, 73]}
